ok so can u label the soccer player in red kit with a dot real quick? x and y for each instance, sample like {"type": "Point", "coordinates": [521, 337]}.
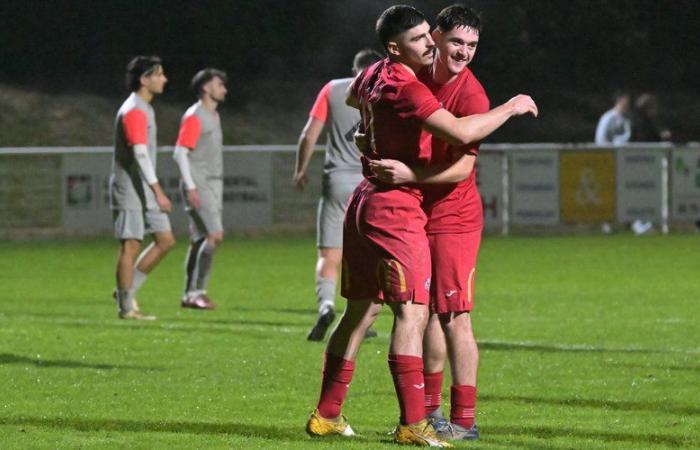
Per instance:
{"type": "Point", "coordinates": [387, 256]}
{"type": "Point", "coordinates": [455, 222]}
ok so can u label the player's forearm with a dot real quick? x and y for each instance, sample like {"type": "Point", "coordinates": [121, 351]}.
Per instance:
{"type": "Point", "coordinates": [476, 127]}
{"type": "Point", "coordinates": [307, 142]}
{"type": "Point", "coordinates": [180, 155]}
{"type": "Point", "coordinates": [445, 173]}
{"type": "Point", "coordinates": [143, 161]}
{"type": "Point", "coordinates": [304, 152]}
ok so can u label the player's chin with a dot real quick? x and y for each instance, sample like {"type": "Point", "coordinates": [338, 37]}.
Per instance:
{"type": "Point", "coordinates": [457, 66]}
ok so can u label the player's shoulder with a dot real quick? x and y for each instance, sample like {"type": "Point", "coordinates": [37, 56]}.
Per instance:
{"type": "Point", "coordinates": [195, 110]}
{"type": "Point", "coordinates": [340, 82]}
{"type": "Point", "coordinates": [472, 81]}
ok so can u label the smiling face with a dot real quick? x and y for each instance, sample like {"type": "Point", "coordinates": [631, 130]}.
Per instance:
{"type": "Point", "coordinates": [414, 47]}
{"type": "Point", "coordinates": [456, 48]}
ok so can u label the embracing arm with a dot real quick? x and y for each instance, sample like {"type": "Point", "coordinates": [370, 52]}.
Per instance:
{"type": "Point", "coordinates": [476, 127]}
{"type": "Point", "coordinates": [392, 171]}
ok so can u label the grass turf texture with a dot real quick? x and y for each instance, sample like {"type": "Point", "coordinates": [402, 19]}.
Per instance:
{"type": "Point", "coordinates": [586, 342]}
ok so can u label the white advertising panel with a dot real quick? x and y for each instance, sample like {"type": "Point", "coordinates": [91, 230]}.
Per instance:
{"type": "Point", "coordinates": [489, 179]}
{"type": "Point", "coordinates": [639, 190]}
{"type": "Point", "coordinates": [685, 184]}
{"type": "Point", "coordinates": [534, 187]}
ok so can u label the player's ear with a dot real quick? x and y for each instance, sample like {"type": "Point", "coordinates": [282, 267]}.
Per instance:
{"type": "Point", "coordinates": [436, 35]}
{"type": "Point", "coordinates": [392, 48]}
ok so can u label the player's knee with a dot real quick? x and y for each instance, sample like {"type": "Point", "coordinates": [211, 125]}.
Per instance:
{"type": "Point", "coordinates": [166, 242]}
{"type": "Point", "coordinates": [130, 248]}
{"type": "Point", "coordinates": [215, 239]}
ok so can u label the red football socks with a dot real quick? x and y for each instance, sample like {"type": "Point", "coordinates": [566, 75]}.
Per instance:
{"type": "Point", "coordinates": [337, 374]}
{"type": "Point", "coordinates": [433, 391]}
{"type": "Point", "coordinates": [463, 400]}
{"type": "Point", "coordinates": [407, 372]}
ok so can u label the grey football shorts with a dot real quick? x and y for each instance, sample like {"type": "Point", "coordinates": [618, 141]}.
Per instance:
{"type": "Point", "coordinates": [331, 210]}
{"type": "Point", "coordinates": [204, 222]}
{"type": "Point", "coordinates": [134, 223]}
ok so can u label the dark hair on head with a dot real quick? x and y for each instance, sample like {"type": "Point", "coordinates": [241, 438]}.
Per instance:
{"type": "Point", "coordinates": [365, 58]}
{"type": "Point", "coordinates": [458, 16]}
{"type": "Point", "coordinates": [203, 77]}
{"type": "Point", "coordinates": [138, 67]}
{"type": "Point", "coordinates": [395, 20]}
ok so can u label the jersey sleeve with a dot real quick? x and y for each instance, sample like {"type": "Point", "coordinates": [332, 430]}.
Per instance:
{"type": "Point", "coordinates": [320, 109]}
{"type": "Point", "coordinates": [135, 125]}
{"type": "Point", "coordinates": [190, 129]}
{"type": "Point", "coordinates": [416, 100]}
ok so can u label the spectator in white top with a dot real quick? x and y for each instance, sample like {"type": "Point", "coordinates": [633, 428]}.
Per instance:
{"type": "Point", "coordinates": [615, 127]}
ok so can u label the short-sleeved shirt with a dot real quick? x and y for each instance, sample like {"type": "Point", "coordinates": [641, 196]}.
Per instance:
{"type": "Point", "coordinates": [200, 131]}
{"type": "Point", "coordinates": [393, 104]}
{"type": "Point", "coordinates": [342, 156]}
{"type": "Point", "coordinates": [455, 208]}
{"type": "Point", "coordinates": [135, 124]}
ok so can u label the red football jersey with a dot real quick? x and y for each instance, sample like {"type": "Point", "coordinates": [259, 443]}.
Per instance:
{"type": "Point", "coordinates": [393, 104]}
{"type": "Point", "coordinates": [454, 208]}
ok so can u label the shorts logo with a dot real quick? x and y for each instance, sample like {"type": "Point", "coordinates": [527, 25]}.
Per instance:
{"type": "Point", "coordinates": [426, 285]}
{"type": "Point", "coordinates": [450, 293]}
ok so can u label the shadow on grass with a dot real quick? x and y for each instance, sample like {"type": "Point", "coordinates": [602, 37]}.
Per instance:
{"type": "Point", "coordinates": [8, 358]}
{"type": "Point", "coordinates": [138, 426]}
{"type": "Point", "coordinates": [532, 347]}
{"type": "Point", "coordinates": [616, 405]}
{"type": "Point", "coordinates": [675, 367]}
{"type": "Point", "coordinates": [606, 436]}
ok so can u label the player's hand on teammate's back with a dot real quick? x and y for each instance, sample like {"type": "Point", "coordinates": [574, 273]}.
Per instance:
{"type": "Point", "coordinates": [193, 198]}
{"type": "Point", "coordinates": [392, 171]}
{"type": "Point", "coordinates": [523, 104]}
{"type": "Point", "coordinates": [300, 180]}
{"type": "Point", "coordinates": [361, 141]}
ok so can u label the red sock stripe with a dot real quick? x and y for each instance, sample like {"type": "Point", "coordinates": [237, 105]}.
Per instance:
{"type": "Point", "coordinates": [463, 400]}
{"type": "Point", "coordinates": [335, 381]}
{"type": "Point", "coordinates": [433, 391]}
{"type": "Point", "coordinates": [407, 372]}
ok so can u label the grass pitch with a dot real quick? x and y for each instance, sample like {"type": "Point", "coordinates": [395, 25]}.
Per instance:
{"type": "Point", "coordinates": [586, 342]}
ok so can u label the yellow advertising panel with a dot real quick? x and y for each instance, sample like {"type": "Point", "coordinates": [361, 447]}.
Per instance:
{"type": "Point", "coordinates": [587, 186]}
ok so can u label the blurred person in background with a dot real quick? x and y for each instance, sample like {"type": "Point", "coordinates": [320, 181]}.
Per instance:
{"type": "Point", "coordinates": [615, 127]}
{"type": "Point", "coordinates": [139, 205]}
{"type": "Point", "coordinates": [645, 120]}
{"type": "Point", "coordinates": [199, 156]}
{"type": "Point", "coordinates": [342, 172]}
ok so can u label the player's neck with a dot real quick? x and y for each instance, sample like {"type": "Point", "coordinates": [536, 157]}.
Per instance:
{"type": "Point", "coordinates": [441, 75]}
{"type": "Point", "coordinates": [145, 94]}
{"type": "Point", "coordinates": [209, 103]}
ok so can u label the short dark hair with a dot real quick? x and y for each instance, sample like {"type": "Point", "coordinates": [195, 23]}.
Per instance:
{"type": "Point", "coordinates": [458, 16]}
{"type": "Point", "coordinates": [395, 20]}
{"type": "Point", "coordinates": [138, 67]}
{"type": "Point", "coordinates": [365, 58]}
{"type": "Point", "coordinates": [204, 76]}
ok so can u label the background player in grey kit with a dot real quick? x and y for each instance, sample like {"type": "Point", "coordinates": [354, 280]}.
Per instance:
{"type": "Point", "coordinates": [198, 153]}
{"type": "Point", "coordinates": [138, 203]}
{"type": "Point", "coordinates": [342, 172]}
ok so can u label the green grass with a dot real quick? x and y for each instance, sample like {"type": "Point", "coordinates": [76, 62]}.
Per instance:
{"type": "Point", "coordinates": [586, 342]}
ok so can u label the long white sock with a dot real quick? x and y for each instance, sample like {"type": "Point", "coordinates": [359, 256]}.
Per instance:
{"type": "Point", "coordinates": [139, 279]}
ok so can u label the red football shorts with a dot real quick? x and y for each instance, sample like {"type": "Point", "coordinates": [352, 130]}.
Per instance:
{"type": "Point", "coordinates": [385, 249]}
{"type": "Point", "coordinates": [454, 269]}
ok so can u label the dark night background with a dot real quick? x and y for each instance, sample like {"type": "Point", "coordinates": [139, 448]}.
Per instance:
{"type": "Point", "coordinates": [569, 55]}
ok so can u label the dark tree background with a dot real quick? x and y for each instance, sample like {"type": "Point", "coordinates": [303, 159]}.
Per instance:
{"type": "Point", "coordinates": [568, 54]}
